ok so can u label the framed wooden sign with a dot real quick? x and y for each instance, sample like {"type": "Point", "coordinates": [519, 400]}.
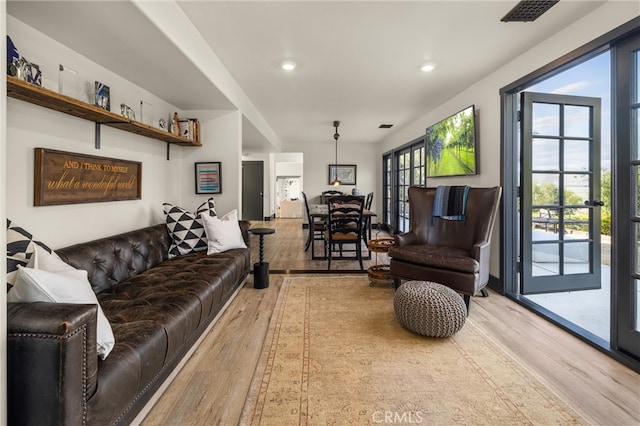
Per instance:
{"type": "Point", "coordinates": [68, 178]}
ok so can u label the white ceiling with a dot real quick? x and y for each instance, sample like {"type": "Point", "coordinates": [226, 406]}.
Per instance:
{"type": "Point", "coordinates": [358, 62]}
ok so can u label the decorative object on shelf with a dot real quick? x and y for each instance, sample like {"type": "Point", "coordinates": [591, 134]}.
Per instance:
{"type": "Point", "coordinates": [355, 191]}
{"type": "Point", "coordinates": [146, 112]}
{"type": "Point", "coordinates": [175, 125]}
{"type": "Point", "coordinates": [208, 178]}
{"type": "Point", "coordinates": [68, 178]}
{"type": "Point", "coordinates": [126, 111]}
{"type": "Point", "coordinates": [46, 98]}
{"type": "Point", "coordinates": [68, 82]}
{"type": "Point", "coordinates": [18, 66]}
{"type": "Point", "coordinates": [345, 174]}
{"type": "Point", "coordinates": [103, 96]}
{"type": "Point", "coordinates": [162, 123]}
{"type": "Point", "coordinates": [31, 73]}
{"type": "Point", "coordinates": [190, 129]}
{"type": "Point", "coordinates": [12, 70]}
{"type": "Point", "coordinates": [12, 51]}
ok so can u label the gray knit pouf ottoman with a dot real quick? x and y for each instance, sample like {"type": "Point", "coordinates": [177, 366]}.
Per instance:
{"type": "Point", "coordinates": [429, 308]}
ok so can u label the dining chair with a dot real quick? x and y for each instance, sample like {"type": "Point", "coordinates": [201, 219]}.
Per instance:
{"type": "Point", "coordinates": [345, 227]}
{"type": "Point", "coordinates": [316, 228]}
{"type": "Point", "coordinates": [328, 194]}
{"type": "Point", "coordinates": [367, 221]}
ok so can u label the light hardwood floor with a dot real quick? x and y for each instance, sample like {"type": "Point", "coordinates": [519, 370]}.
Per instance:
{"type": "Point", "coordinates": [211, 388]}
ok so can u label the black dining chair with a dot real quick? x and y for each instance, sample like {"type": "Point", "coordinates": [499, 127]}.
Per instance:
{"type": "Point", "coordinates": [367, 220]}
{"type": "Point", "coordinates": [316, 228]}
{"type": "Point", "coordinates": [328, 194]}
{"type": "Point", "coordinates": [344, 228]}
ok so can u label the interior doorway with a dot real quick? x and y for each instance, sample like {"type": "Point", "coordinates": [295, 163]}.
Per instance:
{"type": "Point", "coordinates": [289, 196]}
{"type": "Point", "coordinates": [289, 184]}
{"type": "Point", "coordinates": [253, 190]}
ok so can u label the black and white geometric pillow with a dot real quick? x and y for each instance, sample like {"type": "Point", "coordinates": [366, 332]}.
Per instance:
{"type": "Point", "coordinates": [20, 248]}
{"type": "Point", "coordinates": [185, 228]}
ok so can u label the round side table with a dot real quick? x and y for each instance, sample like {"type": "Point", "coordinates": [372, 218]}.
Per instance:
{"type": "Point", "coordinates": [261, 269]}
{"type": "Point", "coordinates": [379, 273]}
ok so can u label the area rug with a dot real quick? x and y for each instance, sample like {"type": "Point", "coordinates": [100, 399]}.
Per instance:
{"type": "Point", "coordinates": [335, 354]}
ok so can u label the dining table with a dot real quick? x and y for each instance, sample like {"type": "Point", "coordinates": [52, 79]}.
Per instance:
{"type": "Point", "coordinates": [321, 212]}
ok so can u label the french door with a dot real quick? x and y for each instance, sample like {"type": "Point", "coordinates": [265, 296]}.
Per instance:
{"type": "Point", "coordinates": [410, 171]}
{"type": "Point", "coordinates": [627, 182]}
{"type": "Point", "coordinates": [560, 193]}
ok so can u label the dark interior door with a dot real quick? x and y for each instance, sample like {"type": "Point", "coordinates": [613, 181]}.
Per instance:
{"type": "Point", "coordinates": [252, 190]}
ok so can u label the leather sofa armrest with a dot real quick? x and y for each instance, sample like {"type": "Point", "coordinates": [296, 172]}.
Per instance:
{"type": "Point", "coordinates": [406, 239]}
{"type": "Point", "coordinates": [244, 227]}
{"type": "Point", "coordinates": [51, 347]}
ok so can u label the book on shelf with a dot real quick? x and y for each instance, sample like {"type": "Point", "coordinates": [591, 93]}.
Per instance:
{"type": "Point", "coordinates": [190, 129]}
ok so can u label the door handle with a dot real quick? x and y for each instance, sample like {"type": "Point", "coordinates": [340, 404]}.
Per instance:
{"type": "Point", "coordinates": [594, 203]}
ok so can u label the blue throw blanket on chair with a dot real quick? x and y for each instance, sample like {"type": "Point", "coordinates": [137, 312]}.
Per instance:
{"type": "Point", "coordinates": [450, 202]}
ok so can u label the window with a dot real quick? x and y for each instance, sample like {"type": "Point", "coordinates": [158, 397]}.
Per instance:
{"type": "Point", "coordinates": [403, 168]}
{"type": "Point", "coordinates": [387, 184]}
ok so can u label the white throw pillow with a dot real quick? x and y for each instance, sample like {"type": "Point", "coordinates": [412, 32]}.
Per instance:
{"type": "Point", "coordinates": [51, 262]}
{"type": "Point", "coordinates": [223, 234]}
{"type": "Point", "coordinates": [57, 281]}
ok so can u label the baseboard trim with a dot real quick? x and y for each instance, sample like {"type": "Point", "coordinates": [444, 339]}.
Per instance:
{"type": "Point", "coordinates": [496, 285]}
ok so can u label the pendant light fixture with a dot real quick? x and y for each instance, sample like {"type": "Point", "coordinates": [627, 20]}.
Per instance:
{"type": "Point", "coordinates": [336, 135]}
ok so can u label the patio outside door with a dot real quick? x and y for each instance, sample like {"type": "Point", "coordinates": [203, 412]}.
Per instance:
{"type": "Point", "coordinates": [560, 193]}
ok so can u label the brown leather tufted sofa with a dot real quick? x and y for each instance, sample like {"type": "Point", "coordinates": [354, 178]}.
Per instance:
{"type": "Point", "coordinates": [157, 308]}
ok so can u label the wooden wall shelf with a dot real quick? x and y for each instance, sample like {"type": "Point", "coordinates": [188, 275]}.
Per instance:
{"type": "Point", "coordinates": [20, 89]}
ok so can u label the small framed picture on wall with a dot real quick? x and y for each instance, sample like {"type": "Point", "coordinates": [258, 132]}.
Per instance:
{"type": "Point", "coordinates": [208, 178]}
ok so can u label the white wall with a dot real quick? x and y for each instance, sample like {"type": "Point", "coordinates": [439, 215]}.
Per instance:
{"type": "Point", "coordinates": [316, 168]}
{"type": "Point", "coordinates": [30, 126]}
{"type": "Point", "coordinates": [221, 135]}
{"type": "Point", "coordinates": [289, 169]}
{"type": "Point", "coordinates": [169, 17]}
{"type": "Point", "coordinates": [485, 95]}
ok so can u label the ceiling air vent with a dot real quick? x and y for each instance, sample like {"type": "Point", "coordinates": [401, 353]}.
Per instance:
{"type": "Point", "coordinates": [528, 10]}
{"type": "Point", "coordinates": [385, 126]}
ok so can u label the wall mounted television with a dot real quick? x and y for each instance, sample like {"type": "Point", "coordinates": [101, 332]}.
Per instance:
{"type": "Point", "coordinates": [451, 145]}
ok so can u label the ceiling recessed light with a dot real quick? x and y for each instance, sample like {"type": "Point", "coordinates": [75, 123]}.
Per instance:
{"type": "Point", "coordinates": [427, 67]}
{"type": "Point", "coordinates": [288, 66]}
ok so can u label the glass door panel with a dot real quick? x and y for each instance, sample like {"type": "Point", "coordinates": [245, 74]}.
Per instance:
{"type": "Point", "coordinates": [560, 198]}
{"type": "Point", "coordinates": [627, 263]}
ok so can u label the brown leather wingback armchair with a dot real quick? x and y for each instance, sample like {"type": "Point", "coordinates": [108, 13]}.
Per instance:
{"type": "Point", "coordinates": [452, 253]}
